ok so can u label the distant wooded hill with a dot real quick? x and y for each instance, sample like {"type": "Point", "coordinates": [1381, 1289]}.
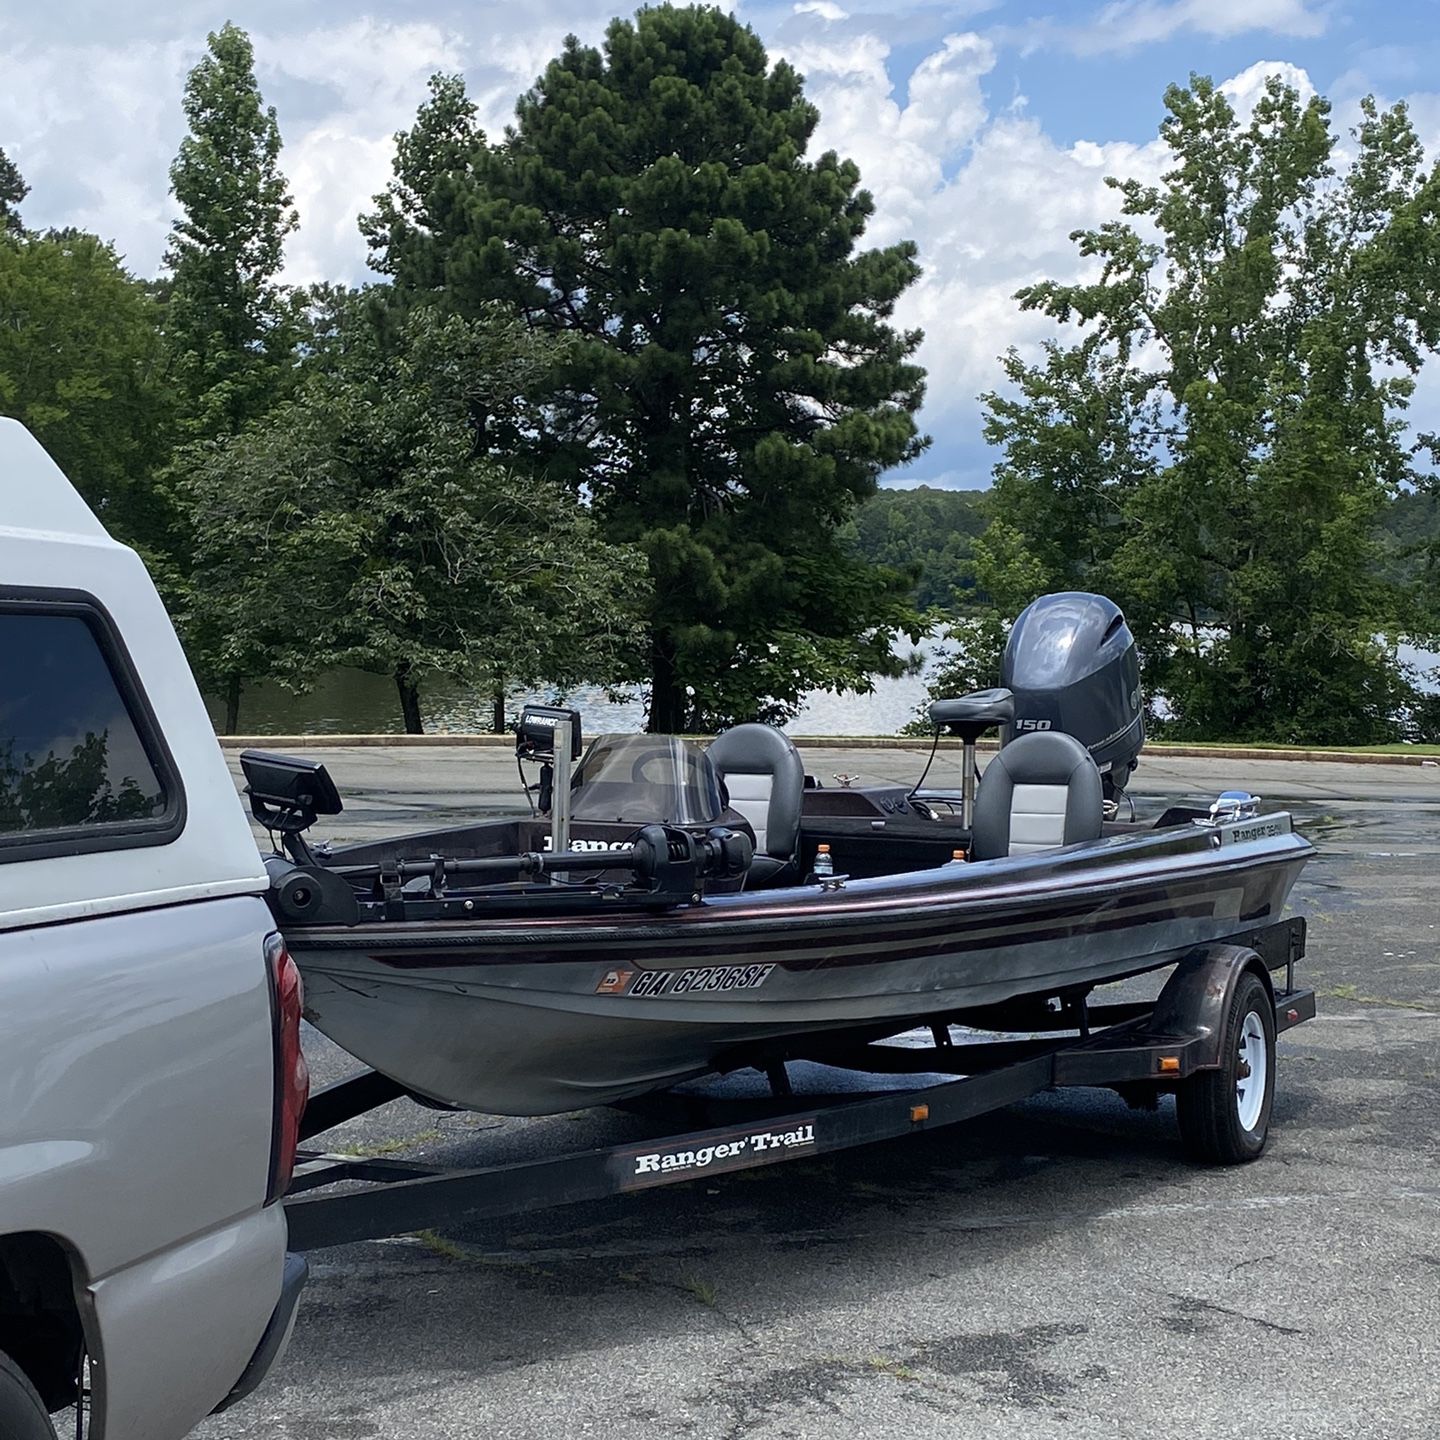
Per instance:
{"type": "Point", "coordinates": [1411, 534]}
{"type": "Point", "coordinates": [930, 532]}
{"type": "Point", "coordinates": [933, 533]}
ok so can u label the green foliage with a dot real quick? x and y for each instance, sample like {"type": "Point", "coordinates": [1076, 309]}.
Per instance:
{"type": "Point", "coordinates": [733, 388]}
{"type": "Point", "coordinates": [81, 366]}
{"type": "Point", "coordinates": [361, 524]}
{"type": "Point", "coordinates": [930, 533]}
{"type": "Point", "coordinates": [434, 168]}
{"type": "Point", "coordinates": [228, 323]}
{"type": "Point", "coordinates": [1218, 449]}
{"type": "Point", "coordinates": [13, 190]}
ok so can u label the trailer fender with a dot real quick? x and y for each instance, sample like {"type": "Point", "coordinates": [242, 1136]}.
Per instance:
{"type": "Point", "coordinates": [1196, 997]}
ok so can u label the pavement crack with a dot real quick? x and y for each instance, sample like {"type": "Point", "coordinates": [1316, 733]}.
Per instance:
{"type": "Point", "coordinates": [1253, 1260]}
{"type": "Point", "coordinates": [1189, 1304]}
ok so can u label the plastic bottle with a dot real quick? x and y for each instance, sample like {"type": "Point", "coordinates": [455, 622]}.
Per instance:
{"type": "Point", "coordinates": [957, 857]}
{"type": "Point", "coordinates": [824, 865]}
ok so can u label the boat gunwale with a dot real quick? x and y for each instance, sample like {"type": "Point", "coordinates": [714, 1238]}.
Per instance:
{"type": "Point", "coordinates": [842, 906]}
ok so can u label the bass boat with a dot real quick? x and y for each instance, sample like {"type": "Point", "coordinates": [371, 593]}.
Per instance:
{"type": "Point", "coordinates": [665, 911]}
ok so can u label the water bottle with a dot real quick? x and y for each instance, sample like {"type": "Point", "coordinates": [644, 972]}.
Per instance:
{"type": "Point", "coordinates": [957, 857]}
{"type": "Point", "coordinates": [824, 865]}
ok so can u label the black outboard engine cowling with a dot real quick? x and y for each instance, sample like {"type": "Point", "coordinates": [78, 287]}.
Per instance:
{"type": "Point", "coordinates": [1072, 665]}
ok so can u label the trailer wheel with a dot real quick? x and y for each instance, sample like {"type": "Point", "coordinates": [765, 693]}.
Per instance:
{"type": "Point", "coordinates": [22, 1414]}
{"type": "Point", "coordinates": [1224, 1114]}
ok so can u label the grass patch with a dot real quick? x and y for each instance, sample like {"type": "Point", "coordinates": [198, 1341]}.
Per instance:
{"type": "Point", "coordinates": [701, 1290]}
{"type": "Point", "coordinates": [1351, 993]}
{"type": "Point", "coordinates": [1392, 747]}
{"type": "Point", "coordinates": [446, 1249]}
{"type": "Point", "coordinates": [381, 1148]}
{"type": "Point", "coordinates": [896, 1368]}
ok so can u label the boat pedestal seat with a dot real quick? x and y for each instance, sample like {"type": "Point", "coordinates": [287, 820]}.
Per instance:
{"type": "Point", "coordinates": [764, 779]}
{"type": "Point", "coordinates": [1041, 791]}
{"type": "Point", "coordinates": [969, 717]}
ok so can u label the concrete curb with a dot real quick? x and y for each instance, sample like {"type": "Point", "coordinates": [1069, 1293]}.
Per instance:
{"type": "Point", "coordinates": [815, 742]}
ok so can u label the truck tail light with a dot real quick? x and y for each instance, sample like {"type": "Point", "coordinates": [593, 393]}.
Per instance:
{"type": "Point", "coordinates": [292, 1074]}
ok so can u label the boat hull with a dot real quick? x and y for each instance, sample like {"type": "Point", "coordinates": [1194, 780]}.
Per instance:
{"type": "Point", "coordinates": [536, 1016]}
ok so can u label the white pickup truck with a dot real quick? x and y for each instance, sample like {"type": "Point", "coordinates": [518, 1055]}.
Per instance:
{"type": "Point", "coordinates": [151, 1080]}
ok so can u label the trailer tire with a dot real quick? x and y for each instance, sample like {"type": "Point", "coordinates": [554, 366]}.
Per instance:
{"type": "Point", "coordinates": [22, 1413]}
{"type": "Point", "coordinates": [1224, 1114]}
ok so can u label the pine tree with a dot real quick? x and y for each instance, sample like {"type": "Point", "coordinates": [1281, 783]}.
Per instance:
{"type": "Point", "coordinates": [733, 387]}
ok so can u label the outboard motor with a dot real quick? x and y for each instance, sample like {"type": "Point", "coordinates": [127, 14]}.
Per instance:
{"type": "Point", "coordinates": [1071, 665]}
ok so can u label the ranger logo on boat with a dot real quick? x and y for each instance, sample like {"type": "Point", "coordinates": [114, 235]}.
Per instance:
{"type": "Point", "coordinates": [707, 979]}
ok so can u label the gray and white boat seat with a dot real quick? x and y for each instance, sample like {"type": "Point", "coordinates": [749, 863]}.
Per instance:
{"type": "Point", "coordinates": [764, 780]}
{"type": "Point", "coordinates": [1041, 791]}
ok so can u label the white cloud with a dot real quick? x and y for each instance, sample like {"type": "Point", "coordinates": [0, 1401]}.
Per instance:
{"type": "Point", "coordinates": [989, 198]}
{"type": "Point", "coordinates": [825, 9]}
{"type": "Point", "coordinates": [1144, 21]}
{"type": "Point", "coordinates": [94, 128]}
{"type": "Point", "coordinates": [1129, 24]}
{"type": "Point", "coordinates": [1244, 89]}
{"type": "Point", "coordinates": [902, 152]}
{"type": "Point", "coordinates": [375, 74]}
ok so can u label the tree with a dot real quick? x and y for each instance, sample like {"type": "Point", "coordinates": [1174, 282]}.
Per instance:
{"type": "Point", "coordinates": [1218, 448]}
{"type": "Point", "coordinates": [361, 524]}
{"type": "Point", "coordinates": [433, 166]}
{"type": "Point", "coordinates": [734, 388]}
{"type": "Point", "coordinates": [81, 366]}
{"type": "Point", "coordinates": [13, 190]}
{"type": "Point", "coordinates": [228, 321]}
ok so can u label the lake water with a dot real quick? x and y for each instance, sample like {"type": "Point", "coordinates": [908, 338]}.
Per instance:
{"type": "Point", "coordinates": [352, 702]}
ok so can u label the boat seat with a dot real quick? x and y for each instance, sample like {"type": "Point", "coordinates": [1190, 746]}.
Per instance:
{"type": "Point", "coordinates": [764, 778]}
{"type": "Point", "coordinates": [1041, 791]}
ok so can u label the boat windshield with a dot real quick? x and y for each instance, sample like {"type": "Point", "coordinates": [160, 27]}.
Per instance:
{"type": "Point", "coordinates": [644, 779]}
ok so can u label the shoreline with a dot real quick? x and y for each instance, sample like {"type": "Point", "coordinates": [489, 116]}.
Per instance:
{"type": "Point", "coordinates": [488, 740]}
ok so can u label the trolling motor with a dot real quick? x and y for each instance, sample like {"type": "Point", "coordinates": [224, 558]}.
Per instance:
{"type": "Point", "coordinates": [668, 866]}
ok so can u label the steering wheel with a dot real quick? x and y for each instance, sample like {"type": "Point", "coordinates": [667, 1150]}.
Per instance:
{"type": "Point", "coordinates": [653, 769]}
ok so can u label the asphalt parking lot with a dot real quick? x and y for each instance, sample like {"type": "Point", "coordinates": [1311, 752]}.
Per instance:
{"type": "Point", "coordinates": [1055, 1269]}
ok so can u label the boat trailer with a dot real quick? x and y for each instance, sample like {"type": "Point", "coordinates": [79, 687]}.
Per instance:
{"type": "Point", "coordinates": [1192, 1040]}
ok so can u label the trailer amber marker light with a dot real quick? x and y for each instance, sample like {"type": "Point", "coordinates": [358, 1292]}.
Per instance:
{"type": "Point", "coordinates": [1169, 1064]}
{"type": "Point", "coordinates": [919, 1113]}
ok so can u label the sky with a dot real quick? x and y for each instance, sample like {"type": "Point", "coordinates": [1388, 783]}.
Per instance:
{"type": "Point", "coordinates": [984, 128]}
